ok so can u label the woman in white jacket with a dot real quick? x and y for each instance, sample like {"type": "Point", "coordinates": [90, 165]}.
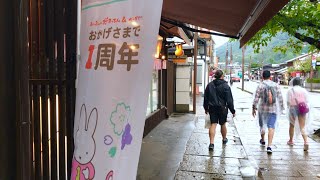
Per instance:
{"type": "Point", "coordinates": [299, 115]}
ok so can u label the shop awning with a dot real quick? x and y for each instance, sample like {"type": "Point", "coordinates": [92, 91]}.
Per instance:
{"type": "Point", "coordinates": [172, 30]}
{"type": "Point", "coordinates": [240, 19]}
{"type": "Point", "coordinates": [283, 70]}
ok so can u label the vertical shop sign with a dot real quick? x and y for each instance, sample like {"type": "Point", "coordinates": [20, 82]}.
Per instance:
{"type": "Point", "coordinates": [117, 47]}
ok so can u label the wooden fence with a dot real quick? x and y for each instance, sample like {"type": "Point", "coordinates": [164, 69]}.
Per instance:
{"type": "Point", "coordinates": [52, 28]}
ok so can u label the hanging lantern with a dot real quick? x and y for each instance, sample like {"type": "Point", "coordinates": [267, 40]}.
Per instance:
{"type": "Point", "coordinates": [179, 51]}
{"type": "Point", "coordinates": [159, 47]}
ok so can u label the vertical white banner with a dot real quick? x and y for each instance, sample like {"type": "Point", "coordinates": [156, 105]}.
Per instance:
{"type": "Point", "coordinates": [117, 47]}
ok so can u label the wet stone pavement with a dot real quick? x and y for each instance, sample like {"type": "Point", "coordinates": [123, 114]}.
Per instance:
{"type": "Point", "coordinates": [243, 157]}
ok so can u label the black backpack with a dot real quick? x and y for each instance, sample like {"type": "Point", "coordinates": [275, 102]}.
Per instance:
{"type": "Point", "coordinates": [214, 100]}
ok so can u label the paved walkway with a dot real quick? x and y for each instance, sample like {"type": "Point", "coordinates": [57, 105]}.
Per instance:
{"type": "Point", "coordinates": [286, 162]}
{"type": "Point", "coordinates": [241, 158]}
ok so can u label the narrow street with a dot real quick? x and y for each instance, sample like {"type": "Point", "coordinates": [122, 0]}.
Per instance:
{"type": "Point", "coordinates": [241, 158]}
{"type": "Point", "coordinates": [251, 86]}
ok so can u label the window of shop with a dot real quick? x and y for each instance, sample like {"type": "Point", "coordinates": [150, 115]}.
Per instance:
{"type": "Point", "coordinates": [153, 94]}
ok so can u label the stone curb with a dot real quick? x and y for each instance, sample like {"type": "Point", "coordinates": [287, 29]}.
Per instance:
{"type": "Point", "coordinates": [245, 90]}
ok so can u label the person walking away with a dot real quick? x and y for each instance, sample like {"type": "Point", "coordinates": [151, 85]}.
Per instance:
{"type": "Point", "coordinates": [302, 81]}
{"type": "Point", "coordinates": [231, 81]}
{"type": "Point", "coordinates": [211, 74]}
{"type": "Point", "coordinates": [268, 99]}
{"type": "Point", "coordinates": [289, 80]}
{"type": "Point", "coordinates": [298, 106]}
{"type": "Point", "coordinates": [217, 100]}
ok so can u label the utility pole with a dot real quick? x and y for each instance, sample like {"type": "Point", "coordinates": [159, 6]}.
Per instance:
{"type": "Point", "coordinates": [311, 74]}
{"type": "Point", "coordinates": [231, 60]}
{"type": "Point", "coordinates": [205, 66]}
{"type": "Point", "coordinates": [249, 68]}
{"type": "Point", "coordinates": [226, 68]}
{"type": "Point", "coordinates": [243, 50]}
{"type": "Point", "coordinates": [262, 60]}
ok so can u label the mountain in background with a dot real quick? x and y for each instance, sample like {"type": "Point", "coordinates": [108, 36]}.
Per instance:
{"type": "Point", "coordinates": [268, 56]}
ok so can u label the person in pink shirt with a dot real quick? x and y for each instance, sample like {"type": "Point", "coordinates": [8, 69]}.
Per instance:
{"type": "Point", "coordinates": [298, 106]}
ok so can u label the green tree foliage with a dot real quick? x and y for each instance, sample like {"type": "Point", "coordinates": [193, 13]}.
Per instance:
{"type": "Point", "coordinates": [300, 19]}
{"type": "Point", "coordinates": [306, 65]}
{"type": "Point", "coordinates": [291, 69]}
{"type": "Point", "coordinates": [255, 65]}
{"type": "Point", "coordinates": [267, 55]}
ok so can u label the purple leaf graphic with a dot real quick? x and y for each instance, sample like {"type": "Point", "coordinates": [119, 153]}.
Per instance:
{"type": "Point", "coordinates": [126, 137]}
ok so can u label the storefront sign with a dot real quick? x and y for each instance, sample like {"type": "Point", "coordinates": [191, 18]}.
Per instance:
{"type": "Point", "coordinates": [179, 60]}
{"type": "Point", "coordinates": [118, 43]}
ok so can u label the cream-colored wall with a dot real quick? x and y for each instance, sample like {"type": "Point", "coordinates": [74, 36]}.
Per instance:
{"type": "Point", "coordinates": [183, 85]}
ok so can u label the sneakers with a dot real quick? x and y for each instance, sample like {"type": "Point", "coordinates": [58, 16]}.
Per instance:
{"type": "Point", "coordinates": [225, 141]}
{"type": "Point", "coordinates": [262, 143]}
{"type": "Point", "coordinates": [306, 147]}
{"type": "Point", "coordinates": [211, 146]}
{"type": "Point", "coordinates": [269, 150]}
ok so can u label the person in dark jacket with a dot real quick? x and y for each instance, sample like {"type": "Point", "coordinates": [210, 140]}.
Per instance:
{"type": "Point", "coordinates": [217, 100]}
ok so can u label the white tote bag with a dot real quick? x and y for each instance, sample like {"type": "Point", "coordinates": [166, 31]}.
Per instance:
{"type": "Point", "coordinates": [207, 123]}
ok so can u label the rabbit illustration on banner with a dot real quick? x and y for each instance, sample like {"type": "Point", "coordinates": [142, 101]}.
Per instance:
{"type": "Point", "coordinates": [85, 146]}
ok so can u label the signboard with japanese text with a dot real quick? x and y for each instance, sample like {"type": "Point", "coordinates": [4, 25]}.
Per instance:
{"type": "Point", "coordinates": [117, 47]}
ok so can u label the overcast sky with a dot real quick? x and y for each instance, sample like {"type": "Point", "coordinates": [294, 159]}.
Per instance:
{"type": "Point", "coordinates": [219, 40]}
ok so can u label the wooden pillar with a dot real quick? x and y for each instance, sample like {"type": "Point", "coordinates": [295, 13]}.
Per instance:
{"type": "Point", "coordinates": [7, 94]}
{"type": "Point", "coordinates": [15, 151]}
{"type": "Point", "coordinates": [195, 55]}
{"type": "Point", "coordinates": [21, 71]}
